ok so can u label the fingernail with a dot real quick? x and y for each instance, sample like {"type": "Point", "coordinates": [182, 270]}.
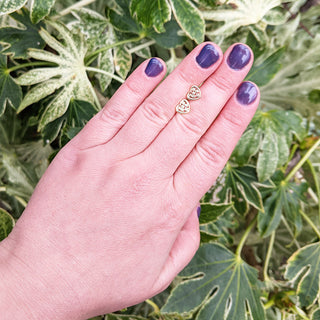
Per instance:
{"type": "Point", "coordinates": [247, 93]}
{"type": "Point", "coordinates": [207, 56]}
{"type": "Point", "coordinates": [153, 68]}
{"type": "Point", "coordinates": [239, 57]}
{"type": "Point", "coordinates": [198, 211]}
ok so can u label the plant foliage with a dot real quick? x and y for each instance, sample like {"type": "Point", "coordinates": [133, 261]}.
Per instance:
{"type": "Point", "coordinates": [260, 223]}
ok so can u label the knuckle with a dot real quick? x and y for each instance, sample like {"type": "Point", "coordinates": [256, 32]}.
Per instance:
{"type": "Point", "coordinates": [135, 89]}
{"type": "Point", "coordinates": [232, 119]}
{"type": "Point", "coordinates": [154, 113]}
{"type": "Point", "coordinates": [113, 115]}
{"type": "Point", "coordinates": [223, 82]}
{"type": "Point", "coordinates": [185, 77]}
{"type": "Point", "coordinates": [212, 153]}
{"type": "Point", "coordinates": [195, 125]}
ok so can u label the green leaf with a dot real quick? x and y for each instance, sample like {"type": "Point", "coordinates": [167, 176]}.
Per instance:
{"type": "Point", "coordinates": [220, 285]}
{"type": "Point", "coordinates": [269, 137]}
{"type": "Point", "coordinates": [122, 317]}
{"type": "Point", "coordinates": [8, 6]}
{"type": "Point", "coordinates": [284, 198]}
{"type": "Point", "coordinates": [171, 38]}
{"type": "Point", "coordinates": [303, 270]}
{"type": "Point", "coordinates": [10, 92]}
{"type": "Point", "coordinates": [299, 75]}
{"type": "Point", "coordinates": [40, 9]}
{"type": "Point", "coordinates": [122, 61]}
{"type": "Point", "coordinates": [80, 112]}
{"type": "Point", "coordinates": [210, 212]}
{"type": "Point", "coordinates": [219, 229]}
{"type": "Point", "coordinates": [242, 13]}
{"type": "Point", "coordinates": [124, 22]}
{"type": "Point", "coordinates": [6, 224]}
{"type": "Point", "coordinates": [261, 74]}
{"type": "Point", "coordinates": [189, 18]}
{"type": "Point", "coordinates": [268, 154]}
{"type": "Point", "coordinates": [241, 183]}
{"type": "Point", "coordinates": [316, 314]}
{"type": "Point", "coordinates": [70, 75]}
{"type": "Point", "coordinates": [18, 41]}
{"type": "Point", "coordinates": [151, 13]}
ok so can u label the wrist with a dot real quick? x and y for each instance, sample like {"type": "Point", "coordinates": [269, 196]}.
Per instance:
{"type": "Point", "coordinates": [27, 291]}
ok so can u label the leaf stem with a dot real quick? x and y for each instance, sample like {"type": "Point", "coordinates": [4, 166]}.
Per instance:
{"type": "Point", "coordinates": [75, 6]}
{"type": "Point", "coordinates": [244, 238]}
{"type": "Point", "coordinates": [142, 46]}
{"type": "Point", "coordinates": [109, 74]}
{"type": "Point", "coordinates": [293, 151]}
{"type": "Point", "coordinates": [268, 256]}
{"type": "Point", "coordinates": [302, 161]}
{"type": "Point", "coordinates": [316, 182]}
{"type": "Point", "coordinates": [91, 57]}
{"type": "Point", "coordinates": [29, 64]}
{"type": "Point", "coordinates": [311, 224]}
{"type": "Point", "coordinates": [153, 305]}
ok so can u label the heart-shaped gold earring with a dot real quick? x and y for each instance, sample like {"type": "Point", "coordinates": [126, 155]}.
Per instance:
{"type": "Point", "coordinates": [194, 93]}
{"type": "Point", "coordinates": [183, 106]}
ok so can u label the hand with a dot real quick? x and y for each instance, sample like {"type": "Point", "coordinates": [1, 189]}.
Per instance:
{"type": "Point", "coordinates": [113, 219]}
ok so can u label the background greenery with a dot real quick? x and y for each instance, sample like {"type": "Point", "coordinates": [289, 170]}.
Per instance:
{"type": "Point", "coordinates": [61, 60]}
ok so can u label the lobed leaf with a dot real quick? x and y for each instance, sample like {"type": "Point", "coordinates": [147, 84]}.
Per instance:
{"type": "Point", "coordinates": [269, 137]}
{"type": "Point", "coordinates": [242, 13]}
{"type": "Point", "coordinates": [218, 285]}
{"type": "Point", "coordinates": [284, 198]}
{"type": "Point", "coordinates": [70, 75]}
{"type": "Point", "coordinates": [299, 75]}
{"type": "Point", "coordinates": [241, 184]}
{"type": "Point", "coordinates": [17, 41]}
{"type": "Point", "coordinates": [10, 92]}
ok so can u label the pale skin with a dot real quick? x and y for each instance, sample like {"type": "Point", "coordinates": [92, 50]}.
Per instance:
{"type": "Point", "coordinates": [113, 220]}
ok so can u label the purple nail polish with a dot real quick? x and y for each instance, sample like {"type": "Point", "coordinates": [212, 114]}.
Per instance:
{"type": "Point", "coordinates": [198, 211]}
{"type": "Point", "coordinates": [153, 68]}
{"type": "Point", "coordinates": [207, 56]}
{"type": "Point", "coordinates": [239, 57]}
{"type": "Point", "coordinates": [247, 93]}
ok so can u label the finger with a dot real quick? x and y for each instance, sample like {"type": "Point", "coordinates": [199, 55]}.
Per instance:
{"type": "Point", "coordinates": [105, 124]}
{"type": "Point", "coordinates": [203, 165]}
{"type": "Point", "coordinates": [179, 137]}
{"type": "Point", "coordinates": [155, 112]}
{"type": "Point", "coordinates": [182, 251]}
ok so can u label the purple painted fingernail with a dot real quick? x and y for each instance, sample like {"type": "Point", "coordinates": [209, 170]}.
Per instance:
{"type": "Point", "coordinates": [198, 211]}
{"type": "Point", "coordinates": [207, 56]}
{"type": "Point", "coordinates": [153, 68]}
{"type": "Point", "coordinates": [239, 57]}
{"type": "Point", "coordinates": [247, 93]}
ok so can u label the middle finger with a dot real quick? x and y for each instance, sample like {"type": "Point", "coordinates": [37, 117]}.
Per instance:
{"type": "Point", "coordinates": [182, 133]}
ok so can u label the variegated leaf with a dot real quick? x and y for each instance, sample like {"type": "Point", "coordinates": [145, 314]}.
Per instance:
{"type": "Point", "coordinates": [8, 6]}
{"type": "Point", "coordinates": [69, 76]}
{"type": "Point", "coordinates": [242, 13]}
{"type": "Point", "coordinates": [39, 9]}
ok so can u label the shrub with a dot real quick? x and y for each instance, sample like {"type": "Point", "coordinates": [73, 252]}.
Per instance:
{"type": "Point", "coordinates": [60, 60]}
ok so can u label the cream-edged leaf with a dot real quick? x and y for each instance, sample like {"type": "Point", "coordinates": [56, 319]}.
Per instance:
{"type": "Point", "coordinates": [69, 76]}
{"type": "Point", "coordinates": [242, 13]}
